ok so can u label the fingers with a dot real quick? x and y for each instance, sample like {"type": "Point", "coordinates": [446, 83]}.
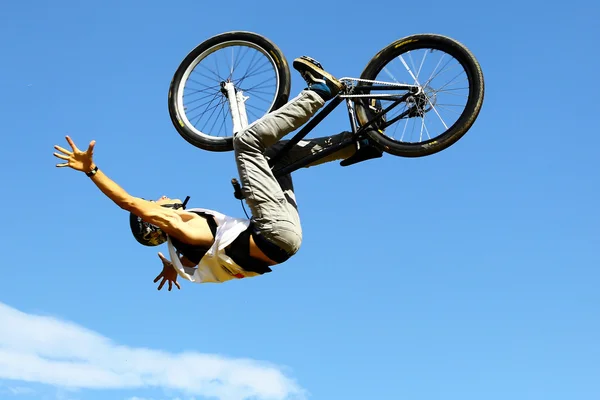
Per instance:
{"type": "Point", "coordinates": [164, 277]}
{"type": "Point", "coordinates": [90, 149]}
{"type": "Point", "coordinates": [61, 156]}
{"type": "Point", "coordinates": [63, 150]}
{"type": "Point", "coordinates": [162, 283]}
{"type": "Point", "coordinates": [70, 141]}
{"type": "Point", "coordinates": [165, 261]}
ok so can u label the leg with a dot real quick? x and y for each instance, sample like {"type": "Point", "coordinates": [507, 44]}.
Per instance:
{"type": "Point", "coordinates": [308, 147]}
{"type": "Point", "coordinates": [274, 212]}
{"type": "Point", "coordinates": [301, 150]}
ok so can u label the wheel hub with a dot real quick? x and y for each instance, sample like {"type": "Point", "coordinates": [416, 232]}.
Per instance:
{"type": "Point", "coordinates": [422, 102]}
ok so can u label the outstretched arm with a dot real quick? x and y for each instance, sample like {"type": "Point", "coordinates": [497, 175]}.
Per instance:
{"type": "Point", "coordinates": [165, 218]}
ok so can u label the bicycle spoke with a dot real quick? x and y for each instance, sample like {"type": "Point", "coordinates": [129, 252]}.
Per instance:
{"type": "Point", "coordinates": [207, 77]}
{"type": "Point", "coordinates": [194, 91]}
{"type": "Point", "coordinates": [391, 75]}
{"type": "Point", "coordinates": [207, 109]}
{"type": "Point", "coordinates": [218, 77]}
{"type": "Point", "coordinates": [452, 110]}
{"type": "Point", "coordinates": [200, 98]}
{"type": "Point", "coordinates": [253, 107]}
{"type": "Point", "coordinates": [250, 72]}
{"type": "Point", "coordinates": [253, 73]}
{"type": "Point", "coordinates": [438, 114]}
{"type": "Point", "coordinates": [223, 113]}
{"type": "Point", "coordinates": [450, 83]}
{"type": "Point", "coordinates": [200, 115]}
{"type": "Point", "coordinates": [409, 70]}
{"type": "Point", "coordinates": [254, 95]}
{"type": "Point", "coordinates": [435, 74]}
{"type": "Point", "coordinates": [211, 114]}
{"type": "Point", "coordinates": [215, 96]}
{"type": "Point", "coordinates": [201, 84]}
{"type": "Point", "coordinates": [256, 91]}
{"type": "Point", "coordinates": [404, 130]}
{"type": "Point", "coordinates": [258, 85]}
{"type": "Point", "coordinates": [422, 62]}
{"type": "Point", "coordinates": [450, 92]}
{"type": "Point", "coordinates": [240, 58]}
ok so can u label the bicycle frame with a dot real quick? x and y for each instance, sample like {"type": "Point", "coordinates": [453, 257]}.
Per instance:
{"type": "Point", "coordinates": [348, 94]}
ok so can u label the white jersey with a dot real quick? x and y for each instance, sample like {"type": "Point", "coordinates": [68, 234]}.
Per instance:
{"type": "Point", "coordinates": [215, 266]}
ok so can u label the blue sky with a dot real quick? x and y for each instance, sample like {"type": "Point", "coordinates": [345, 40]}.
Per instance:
{"type": "Point", "coordinates": [469, 274]}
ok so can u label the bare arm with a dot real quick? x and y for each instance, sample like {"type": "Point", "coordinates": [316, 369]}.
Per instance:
{"type": "Point", "coordinates": [116, 193]}
{"type": "Point", "coordinates": [169, 220]}
{"type": "Point", "coordinates": [174, 223]}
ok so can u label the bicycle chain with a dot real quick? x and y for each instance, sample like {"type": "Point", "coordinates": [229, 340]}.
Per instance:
{"type": "Point", "coordinates": [369, 81]}
{"type": "Point", "coordinates": [371, 95]}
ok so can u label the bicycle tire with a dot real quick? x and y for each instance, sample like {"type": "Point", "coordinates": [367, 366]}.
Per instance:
{"type": "Point", "coordinates": [462, 124]}
{"type": "Point", "coordinates": [204, 140]}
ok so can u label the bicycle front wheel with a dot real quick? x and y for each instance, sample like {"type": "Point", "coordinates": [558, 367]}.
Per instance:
{"type": "Point", "coordinates": [450, 95]}
{"type": "Point", "coordinates": [198, 105]}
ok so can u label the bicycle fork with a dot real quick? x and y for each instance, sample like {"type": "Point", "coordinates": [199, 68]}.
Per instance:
{"type": "Point", "coordinates": [237, 106]}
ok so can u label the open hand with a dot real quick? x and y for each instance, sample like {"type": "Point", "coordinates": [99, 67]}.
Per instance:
{"type": "Point", "coordinates": [76, 159]}
{"type": "Point", "coordinates": [168, 274]}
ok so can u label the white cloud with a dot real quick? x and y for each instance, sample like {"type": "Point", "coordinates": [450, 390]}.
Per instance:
{"type": "Point", "coordinates": [51, 351]}
{"type": "Point", "coordinates": [144, 398]}
{"type": "Point", "coordinates": [20, 390]}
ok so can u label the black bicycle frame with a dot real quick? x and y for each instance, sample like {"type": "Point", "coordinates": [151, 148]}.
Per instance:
{"type": "Point", "coordinates": [357, 132]}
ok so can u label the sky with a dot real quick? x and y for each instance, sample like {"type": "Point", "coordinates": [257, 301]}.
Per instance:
{"type": "Point", "coordinates": [468, 274]}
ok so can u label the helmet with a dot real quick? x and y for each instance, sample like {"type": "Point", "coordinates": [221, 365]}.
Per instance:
{"type": "Point", "coordinates": [147, 234]}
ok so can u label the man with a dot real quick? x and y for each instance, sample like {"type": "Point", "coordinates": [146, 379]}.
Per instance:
{"type": "Point", "coordinates": [207, 246]}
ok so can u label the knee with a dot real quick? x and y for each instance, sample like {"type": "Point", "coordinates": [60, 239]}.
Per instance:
{"type": "Point", "coordinates": [240, 139]}
{"type": "Point", "coordinates": [290, 240]}
{"type": "Point", "coordinates": [279, 244]}
{"type": "Point", "coordinates": [246, 139]}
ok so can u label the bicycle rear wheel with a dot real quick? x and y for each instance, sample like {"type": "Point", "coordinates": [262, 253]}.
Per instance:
{"type": "Point", "coordinates": [198, 106]}
{"type": "Point", "coordinates": [449, 100]}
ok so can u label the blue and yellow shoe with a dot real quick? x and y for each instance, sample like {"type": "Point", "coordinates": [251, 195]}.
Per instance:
{"type": "Point", "coordinates": [318, 80]}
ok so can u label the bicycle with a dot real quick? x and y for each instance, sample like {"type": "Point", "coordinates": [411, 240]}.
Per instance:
{"type": "Point", "coordinates": [372, 112]}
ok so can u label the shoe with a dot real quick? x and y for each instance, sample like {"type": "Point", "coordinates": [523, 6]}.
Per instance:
{"type": "Point", "coordinates": [318, 80]}
{"type": "Point", "coordinates": [366, 151]}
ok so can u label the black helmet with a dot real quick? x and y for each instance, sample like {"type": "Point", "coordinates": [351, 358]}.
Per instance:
{"type": "Point", "coordinates": [146, 233]}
